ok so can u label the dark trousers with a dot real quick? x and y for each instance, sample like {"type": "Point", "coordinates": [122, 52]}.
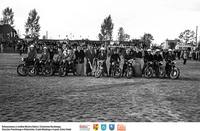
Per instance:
{"type": "Point", "coordinates": [167, 68]}
{"type": "Point", "coordinates": [184, 61]}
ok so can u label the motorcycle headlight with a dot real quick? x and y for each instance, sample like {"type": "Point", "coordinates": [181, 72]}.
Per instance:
{"type": "Point", "coordinates": [22, 59]}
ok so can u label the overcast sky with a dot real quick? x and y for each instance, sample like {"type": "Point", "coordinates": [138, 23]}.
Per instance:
{"type": "Point", "coordinates": [162, 18]}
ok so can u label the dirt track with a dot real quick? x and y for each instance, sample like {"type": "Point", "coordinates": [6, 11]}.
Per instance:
{"type": "Point", "coordinates": [90, 99]}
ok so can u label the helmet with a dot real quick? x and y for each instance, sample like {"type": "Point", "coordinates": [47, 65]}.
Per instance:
{"type": "Point", "coordinates": [149, 50]}
{"type": "Point", "coordinates": [157, 50]}
{"type": "Point", "coordinates": [102, 48]}
{"type": "Point", "coordinates": [170, 50]}
{"type": "Point", "coordinates": [45, 47]}
{"type": "Point", "coordinates": [32, 46]}
{"type": "Point", "coordinates": [65, 52]}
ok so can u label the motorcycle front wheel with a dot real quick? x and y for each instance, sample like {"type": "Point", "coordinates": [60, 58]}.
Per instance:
{"type": "Point", "coordinates": [32, 71]}
{"type": "Point", "coordinates": [117, 73]}
{"type": "Point", "coordinates": [48, 71]}
{"type": "Point", "coordinates": [98, 73]}
{"type": "Point", "coordinates": [175, 73]}
{"type": "Point", "coordinates": [129, 73]}
{"type": "Point", "coordinates": [22, 70]}
{"type": "Point", "coordinates": [62, 71]}
{"type": "Point", "coordinates": [148, 73]}
{"type": "Point", "coordinates": [162, 72]}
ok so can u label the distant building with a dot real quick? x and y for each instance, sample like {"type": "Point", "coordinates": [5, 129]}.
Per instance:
{"type": "Point", "coordinates": [177, 44]}
{"type": "Point", "coordinates": [7, 33]}
{"type": "Point", "coordinates": [171, 44]}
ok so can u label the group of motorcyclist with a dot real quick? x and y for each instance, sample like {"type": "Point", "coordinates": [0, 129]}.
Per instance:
{"type": "Point", "coordinates": [108, 55]}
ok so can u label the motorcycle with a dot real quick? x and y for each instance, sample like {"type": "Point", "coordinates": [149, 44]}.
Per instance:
{"type": "Point", "coordinates": [158, 72]}
{"type": "Point", "coordinates": [129, 71]}
{"type": "Point", "coordinates": [99, 71]}
{"type": "Point", "coordinates": [41, 68]}
{"type": "Point", "coordinates": [55, 66]}
{"type": "Point", "coordinates": [115, 70]}
{"type": "Point", "coordinates": [24, 69]}
{"type": "Point", "coordinates": [174, 72]}
{"type": "Point", "coordinates": [66, 67]}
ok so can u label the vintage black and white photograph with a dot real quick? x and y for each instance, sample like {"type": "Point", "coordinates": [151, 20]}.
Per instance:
{"type": "Point", "coordinates": [99, 61]}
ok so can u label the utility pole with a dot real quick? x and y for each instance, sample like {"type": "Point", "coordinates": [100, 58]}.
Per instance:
{"type": "Point", "coordinates": [46, 34]}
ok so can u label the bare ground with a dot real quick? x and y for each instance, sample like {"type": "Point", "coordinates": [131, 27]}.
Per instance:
{"type": "Point", "coordinates": [84, 99]}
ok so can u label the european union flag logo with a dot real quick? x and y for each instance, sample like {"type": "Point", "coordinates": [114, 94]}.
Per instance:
{"type": "Point", "coordinates": [111, 127]}
{"type": "Point", "coordinates": [103, 127]}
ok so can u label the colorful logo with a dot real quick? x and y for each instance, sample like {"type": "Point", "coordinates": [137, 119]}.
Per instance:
{"type": "Point", "coordinates": [84, 128]}
{"type": "Point", "coordinates": [95, 127]}
{"type": "Point", "coordinates": [103, 127]}
{"type": "Point", "coordinates": [121, 127]}
{"type": "Point", "coordinates": [111, 127]}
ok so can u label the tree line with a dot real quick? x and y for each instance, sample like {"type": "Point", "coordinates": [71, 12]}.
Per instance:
{"type": "Point", "coordinates": [32, 29]}
{"type": "Point", "coordinates": [32, 26]}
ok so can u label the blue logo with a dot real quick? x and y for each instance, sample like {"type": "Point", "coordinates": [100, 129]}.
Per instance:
{"type": "Point", "coordinates": [111, 127]}
{"type": "Point", "coordinates": [103, 127]}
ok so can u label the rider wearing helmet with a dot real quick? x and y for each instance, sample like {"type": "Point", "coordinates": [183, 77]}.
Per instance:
{"type": "Point", "coordinates": [115, 57]}
{"type": "Point", "coordinates": [70, 55]}
{"type": "Point", "coordinates": [45, 55]}
{"type": "Point", "coordinates": [157, 58]}
{"type": "Point", "coordinates": [127, 57]}
{"type": "Point", "coordinates": [148, 57]}
{"type": "Point", "coordinates": [102, 56]}
{"type": "Point", "coordinates": [169, 57]}
{"type": "Point", "coordinates": [32, 54]}
{"type": "Point", "coordinates": [59, 57]}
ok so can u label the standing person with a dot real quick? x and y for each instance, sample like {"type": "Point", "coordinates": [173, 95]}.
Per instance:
{"type": "Point", "coordinates": [1, 47]}
{"type": "Point", "coordinates": [80, 55]}
{"type": "Point", "coordinates": [185, 56]}
{"type": "Point", "coordinates": [20, 48]}
{"type": "Point", "coordinates": [179, 54]}
{"type": "Point", "coordinates": [190, 55]}
{"type": "Point", "coordinates": [197, 55]}
{"type": "Point", "coordinates": [121, 65]}
{"type": "Point", "coordinates": [138, 55]}
{"type": "Point", "coordinates": [108, 55]}
{"type": "Point", "coordinates": [194, 55]}
{"type": "Point", "coordinates": [89, 54]}
{"type": "Point", "coordinates": [51, 52]}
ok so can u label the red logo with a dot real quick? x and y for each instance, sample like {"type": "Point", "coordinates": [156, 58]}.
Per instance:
{"type": "Point", "coordinates": [121, 127]}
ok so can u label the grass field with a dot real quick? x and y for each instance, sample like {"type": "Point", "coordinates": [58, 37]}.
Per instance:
{"type": "Point", "coordinates": [105, 99]}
